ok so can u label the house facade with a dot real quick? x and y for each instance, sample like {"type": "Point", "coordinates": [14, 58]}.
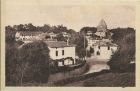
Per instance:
{"type": "Point", "coordinates": [104, 50]}
{"type": "Point", "coordinates": [52, 35]}
{"type": "Point", "coordinates": [62, 50]}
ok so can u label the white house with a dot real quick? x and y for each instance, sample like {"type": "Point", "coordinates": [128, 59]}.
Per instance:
{"type": "Point", "coordinates": [104, 50]}
{"type": "Point", "coordinates": [60, 50]}
{"type": "Point", "coordinates": [52, 35]}
{"type": "Point", "coordinates": [27, 36]}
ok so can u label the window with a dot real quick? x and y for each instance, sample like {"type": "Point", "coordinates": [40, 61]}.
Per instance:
{"type": "Point", "coordinates": [108, 47]}
{"type": "Point", "coordinates": [62, 52]}
{"type": "Point", "coordinates": [98, 53]}
{"type": "Point", "coordinates": [56, 53]}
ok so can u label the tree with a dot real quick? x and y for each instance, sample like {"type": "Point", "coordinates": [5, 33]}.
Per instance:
{"type": "Point", "coordinates": [10, 34]}
{"type": "Point", "coordinates": [81, 44]}
{"type": "Point", "coordinates": [120, 61]}
{"type": "Point", "coordinates": [10, 64]}
{"type": "Point", "coordinates": [120, 33]}
{"type": "Point", "coordinates": [33, 63]}
{"type": "Point", "coordinates": [60, 37]}
{"type": "Point", "coordinates": [85, 29]}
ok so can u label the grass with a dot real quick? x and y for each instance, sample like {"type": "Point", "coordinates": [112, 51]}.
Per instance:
{"type": "Point", "coordinates": [111, 80]}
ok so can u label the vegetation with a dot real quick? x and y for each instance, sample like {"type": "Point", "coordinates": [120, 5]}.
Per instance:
{"type": "Point", "coordinates": [120, 61]}
{"type": "Point", "coordinates": [30, 63]}
{"type": "Point", "coordinates": [36, 56]}
{"type": "Point", "coordinates": [84, 30]}
{"type": "Point", "coordinates": [81, 45]}
{"type": "Point", "coordinates": [111, 80]}
{"type": "Point", "coordinates": [60, 37]}
{"type": "Point", "coordinates": [46, 28]}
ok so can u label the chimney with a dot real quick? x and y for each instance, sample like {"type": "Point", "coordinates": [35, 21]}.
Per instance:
{"type": "Point", "coordinates": [68, 41]}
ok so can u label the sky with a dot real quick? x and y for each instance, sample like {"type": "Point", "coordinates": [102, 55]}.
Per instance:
{"type": "Point", "coordinates": [72, 16]}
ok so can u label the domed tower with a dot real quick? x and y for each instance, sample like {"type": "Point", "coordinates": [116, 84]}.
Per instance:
{"type": "Point", "coordinates": [102, 29]}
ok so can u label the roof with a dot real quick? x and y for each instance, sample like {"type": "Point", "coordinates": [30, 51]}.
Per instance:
{"type": "Point", "coordinates": [30, 33]}
{"type": "Point", "coordinates": [58, 44]}
{"type": "Point", "coordinates": [105, 44]}
{"type": "Point", "coordinates": [102, 23]}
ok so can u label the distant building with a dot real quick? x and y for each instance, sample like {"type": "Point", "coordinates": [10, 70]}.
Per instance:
{"type": "Point", "coordinates": [27, 36]}
{"type": "Point", "coordinates": [102, 30]}
{"type": "Point", "coordinates": [101, 41]}
{"type": "Point", "coordinates": [60, 50]}
{"type": "Point", "coordinates": [52, 35]}
{"type": "Point", "coordinates": [65, 34]}
{"type": "Point", "coordinates": [104, 50]}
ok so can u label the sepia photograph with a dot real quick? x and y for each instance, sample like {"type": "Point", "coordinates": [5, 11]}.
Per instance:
{"type": "Point", "coordinates": [69, 45]}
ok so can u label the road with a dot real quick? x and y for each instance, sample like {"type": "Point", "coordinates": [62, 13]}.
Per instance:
{"type": "Point", "coordinates": [96, 64]}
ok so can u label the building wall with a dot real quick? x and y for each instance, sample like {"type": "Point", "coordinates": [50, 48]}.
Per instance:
{"type": "Point", "coordinates": [104, 52]}
{"type": "Point", "coordinates": [68, 52]}
{"type": "Point", "coordinates": [27, 38]}
{"type": "Point", "coordinates": [101, 34]}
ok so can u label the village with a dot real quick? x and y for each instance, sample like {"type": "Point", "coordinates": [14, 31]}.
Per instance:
{"type": "Point", "coordinates": [69, 55]}
{"type": "Point", "coordinates": [100, 42]}
{"type": "Point", "coordinates": [68, 44]}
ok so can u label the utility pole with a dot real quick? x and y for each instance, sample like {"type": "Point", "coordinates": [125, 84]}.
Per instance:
{"type": "Point", "coordinates": [85, 47]}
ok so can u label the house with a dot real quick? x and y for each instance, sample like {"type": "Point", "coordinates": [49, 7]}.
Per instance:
{"type": "Point", "coordinates": [62, 50]}
{"type": "Point", "coordinates": [47, 37]}
{"type": "Point", "coordinates": [27, 36]}
{"type": "Point", "coordinates": [52, 35]}
{"type": "Point", "coordinates": [65, 34]}
{"type": "Point", "coordinates": [103, 50]}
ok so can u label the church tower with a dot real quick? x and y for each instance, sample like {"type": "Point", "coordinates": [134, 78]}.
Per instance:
{"type": "Point", "coordinates": [102, 31]}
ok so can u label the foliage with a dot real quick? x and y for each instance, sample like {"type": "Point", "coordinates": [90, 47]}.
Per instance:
{"type": "Point", "coordinates": [81, 45]}
{"type": "Point", "coordinates": [60, 37]}
{"type": "Point", "coordinates": [10, 64]}
{"type": "Point", "coordinates": [30, 63]}
{"type": "Point", "coordinates": [120, 33]}
{"type": "Point", "coordinates": [10, 34]}
{"type": "Point", "coordinates": [84, 30]}
{"type": "Point", "coordinates": [111, 80]}
{"type": "Point", "coordinates": [34, 62]}
{"type": "Point", "coordinates": [126, 53]}
{"type": "Point", "coordinates": [46, 28]}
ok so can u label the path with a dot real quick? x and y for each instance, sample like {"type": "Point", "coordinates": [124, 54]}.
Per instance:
{"type": "Point", "coordinates": [96, 65]}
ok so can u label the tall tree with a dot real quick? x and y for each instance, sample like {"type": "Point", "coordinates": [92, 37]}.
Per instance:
{"type": "Point", "coordinates": [81, 45]}
{"type": "Point", "coordinates": [34, 62]}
